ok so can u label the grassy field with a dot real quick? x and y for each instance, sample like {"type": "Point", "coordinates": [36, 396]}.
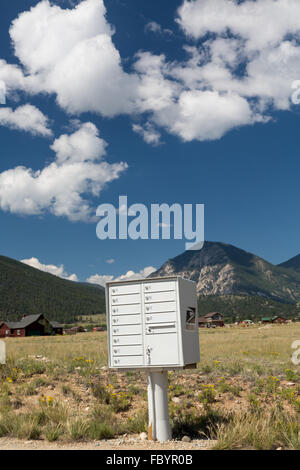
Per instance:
{"type": "Point", "coordinates": [245, 392]}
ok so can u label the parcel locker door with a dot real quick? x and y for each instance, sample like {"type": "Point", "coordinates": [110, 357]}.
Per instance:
{"type": "Point", "coordinates": [162, 349]}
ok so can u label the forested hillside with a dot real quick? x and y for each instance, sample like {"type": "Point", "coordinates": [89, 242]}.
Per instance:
{"type": "Point", "coordinates": [25, 290]}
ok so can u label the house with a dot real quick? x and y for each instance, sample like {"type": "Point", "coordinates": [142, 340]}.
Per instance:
{"type": "Point", "coordinates": [57, 327]}
{"type": "Point", "coordinates": [31, 325]}
{"type": "Point", "coordinates": [211, 320]}
{"type": "Point", "coordinates": [276, 319]}
{"type": "Point", "coordinates": [279, 319]}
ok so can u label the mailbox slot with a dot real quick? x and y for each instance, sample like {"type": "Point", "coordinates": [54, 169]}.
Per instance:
{"type": "Point", "coordinates": [125, 289]}
{"type": "Point", "coordinates": [161, 329]}
{"type": "Point", "coordinates": [127, 330]}
{"type": "Point", "coordinates": [160, 296]}
{"type": "Point", "coordinates": [160, 307]}
{"type": "Point", "coordinates": [127, 350]}
{"type": "Point", "coordinates": [126, 309]}
{"type": "Point", "coordinates": [128, 361]}
{"type": "Point", "coordinates": [126, 320]}
{"type": "Point", "coordinates": [127, 340]}
{"type": "Point", "coordinates": [125, 299]}
{"type": "Point", "coordinates": [159, 286]}
{"type": "Point", "coordinates": [161, 317]}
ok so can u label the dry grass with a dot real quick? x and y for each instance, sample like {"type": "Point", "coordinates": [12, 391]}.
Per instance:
{"type": "Point", "coordinates": [246, 392]}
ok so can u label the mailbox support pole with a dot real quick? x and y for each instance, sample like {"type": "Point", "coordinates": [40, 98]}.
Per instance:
{"type": "Point", "coordinates": [159, 424]}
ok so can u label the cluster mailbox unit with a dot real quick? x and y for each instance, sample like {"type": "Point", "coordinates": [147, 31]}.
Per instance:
{"type": "Point", "coordinates": [153, 326]}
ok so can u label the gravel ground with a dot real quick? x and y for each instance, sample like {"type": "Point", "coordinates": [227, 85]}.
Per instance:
{"type": "Point", "coordinates": [111, 444]}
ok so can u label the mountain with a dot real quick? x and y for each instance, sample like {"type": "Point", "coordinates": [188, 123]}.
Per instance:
{"type": "Point", "coordinates": [25, 290]}
{"type": "Point", "coordinates": [222, 269]}
{"type": "Point", "coordinates": [293, 263]}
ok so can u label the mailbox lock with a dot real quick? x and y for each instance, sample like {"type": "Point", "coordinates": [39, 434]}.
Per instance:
{"type": "Point", "coordinates": [115, 310]}
{"type": "Point", "coordinates": [115, 351]}
{"type": "Point", "coordinates": [149, 318]}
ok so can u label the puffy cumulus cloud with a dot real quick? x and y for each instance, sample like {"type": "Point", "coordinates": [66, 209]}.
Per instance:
{"type": "Point", "coordinates": [101, 279]}
{"type": "Point", "coordinates": [260, 23]}
{"type": "Point", "coordinates": [26, 118]}
{"type": "Point", "coordinates": [240, 69]}
{"type": "Point", "coordinates": [218, 115]}
{"type": "Point", "coordinates": [70, 52]}
{"type": "Point", "coordinates": [50, 268]}
{"type": "Point", "coordinates": [65, 186]}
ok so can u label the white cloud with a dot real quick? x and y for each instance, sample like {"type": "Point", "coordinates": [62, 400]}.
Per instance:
{"type": "Point", "coordinates": [148, 132]}
{"type": "Point", "coordinates": [101, 279]}
{"type": "Point", "coordinates": [83, 69]}
{"type": "Point", "coordinates": [237, 77]}
{"type": "Point", "coordinates": [50, 268]}
{"type": "Point", "coordinates": [262, 23]}
{"type": "Point", "coordinates": [156, 28]}
{"type": "Point", "coordinates": [25, 118]}
{"type": "Point", "coordinates": [110, 261]}
{"type": "Point", "coordinates": [62, 187]}
{"type": "Point", "coordinates": [205, 115]}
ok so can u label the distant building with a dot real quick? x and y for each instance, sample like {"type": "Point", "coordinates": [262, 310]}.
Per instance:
{"type": "Point", "coordinates": [74, 330]}
{"type": "Point", "coordinates": [99, 328]}
{"type": "Point", "coordinates": [246, 323]}
{"type": "Point", "coordinates": [276, 319]}
{"type": "Point", "coordinates": [211, 320]}
{"type": "Point", "coordinates": [31, 325]}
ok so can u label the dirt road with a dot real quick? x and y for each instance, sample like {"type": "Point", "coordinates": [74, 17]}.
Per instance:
{"type": "Point", "coordinates": [111, 444]}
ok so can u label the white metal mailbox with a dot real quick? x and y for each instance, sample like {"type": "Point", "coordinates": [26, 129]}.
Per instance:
{"type": "Point", "coordinates": [152, 324]}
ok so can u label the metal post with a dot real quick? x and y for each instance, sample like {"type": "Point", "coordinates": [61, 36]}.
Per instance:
{"type": "Point", "coordinates": [159, 424]}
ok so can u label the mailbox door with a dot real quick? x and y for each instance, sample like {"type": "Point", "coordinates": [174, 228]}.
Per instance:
{"type": "Point", "coordinates": [162, 349]}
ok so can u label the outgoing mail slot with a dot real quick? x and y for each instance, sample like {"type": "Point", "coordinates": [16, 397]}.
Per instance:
{"type": "Point", "coordinates": [126, 309]}
{"type": "Point", "coordinates": [158, 307]}
{"type": "Point", "coordinates": [158, 329]}
{"type": "Point", "coordinates": [126, 330]}
{"type": "Point", "coordinates": [125, 299]}
{"type": "Point", "coordinates": [127, 350]}
{"type": "Point", "coordinates": [161, 317]}
{"type": "Point", "coordinates": [127, 340]}
{"type": "Point", "coordinates": [126, 320]}
{"type": "Point", "coordinates": [125, 289]}
{"type": "Point", "coordinates": [160, 297]}
{"type": "Point", "coordinates": [159, 286]}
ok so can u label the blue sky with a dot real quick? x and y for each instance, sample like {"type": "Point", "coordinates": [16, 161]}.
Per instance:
{"type": "Point", "coordinates": [213, 98]}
